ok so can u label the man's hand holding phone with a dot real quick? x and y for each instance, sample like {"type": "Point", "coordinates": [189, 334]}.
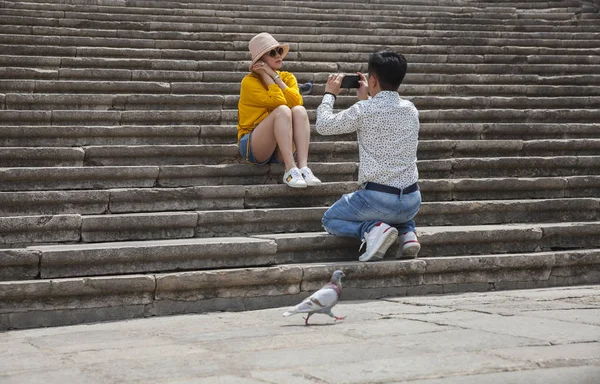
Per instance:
{"type": "Point", "coordinates": [363, 87]}
{"type": "Point", "coordinates": [338, 81]}
{"type": "Point", "coordinates": [334, 83]}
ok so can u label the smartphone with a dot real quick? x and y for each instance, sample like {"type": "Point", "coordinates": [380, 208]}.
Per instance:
{"type": "Point", "coordinates": [350, 81]}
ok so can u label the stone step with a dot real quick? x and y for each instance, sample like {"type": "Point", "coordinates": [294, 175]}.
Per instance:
{"type": "Point", "coordinates": [323, 18]}
{"type": "Point", "coordinates": [336, 151]}
{"type": "Point", "coordinates": [59, 39]}
{"type": "Point", "coordinates": [63, 301]}
{"type": "Point", "coordinates": [133, 19]}
{"type": "Point", "coordinates": [493, 78]}
{"type": "Point", "coordinates": [201, 117]}
{"type": "Point", "coordinates": [236, 42]}
{"type": "Point", "coordinates": [82, 136]}
{"type": "Point", "coordinates": [169, 176]}
{"type": "Point", "coordinates": [272, 195]}
{"type": "Point", "coordinates": [68, 178]}
{"type": "Point", "coordinates": [115, 201]}
{"type": "Point", "coordinates": [509, 167]}
{"type": "Point", "coordinates": [296, 60]}
{"type": "Point", "coordinates": [301, 24]}
{"type": "Point", "coordinates": [456, 240]}
{"type": "Point", "coordinates": [300, 34]}
{"type": "Point", "coordinates": [76, 10]}
{"type": "Point", "coordinates": [228, 153]}
{"type": "Point", "coordinates": [140, 8]}
{"type": "Point", "coordinates": [182, 81]}
{"type": "Point", "coordinates": [78, 136]}
{"type": "Point", "coordinates": [232, 4]}
{"type": "Point", "coordinates": [213, 103]}
{"type": "Point", "coordinates": [217, 70]}
{"type": "Point", "coordinates": [71, 260]}
{"type": "Point", "coordinates": [141, 256]}
{"type": "Point", "coordinates": [242, 222]}
{"type": "Point", "coordinates": [45, 87]}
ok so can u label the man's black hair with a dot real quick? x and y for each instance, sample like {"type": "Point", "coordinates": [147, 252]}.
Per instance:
{"type": "Point", "coordinates": [389, 67]}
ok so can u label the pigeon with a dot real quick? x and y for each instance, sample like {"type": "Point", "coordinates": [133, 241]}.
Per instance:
{"type": "Point", "coordinates": [321, 301]}
{"type": "Point", "coordinates": [306, 88]}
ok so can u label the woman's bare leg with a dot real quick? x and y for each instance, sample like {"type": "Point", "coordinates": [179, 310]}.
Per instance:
{"type": "Point", "coordinates": [301, 128]}
{"type": "Point", "coordinates": [275, 131]}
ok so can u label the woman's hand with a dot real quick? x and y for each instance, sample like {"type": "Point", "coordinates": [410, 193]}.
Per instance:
{"type": "Point", "coordinates": [262, 68]}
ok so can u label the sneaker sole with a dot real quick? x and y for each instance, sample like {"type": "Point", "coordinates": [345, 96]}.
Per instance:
{"type": "Point", "coordinates": [311, 184]}
{"type": "Point", "coordinates": [297, 185]}
{"type": "Point", "coordinates": [410, 251]}
{"type": "Point", "coordinates": [387, 242]}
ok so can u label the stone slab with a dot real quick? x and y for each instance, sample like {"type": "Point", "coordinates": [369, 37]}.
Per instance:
{"type": "Point", "coordinates": [41, 157]}
{"type": "Point", "coordinates": [192, 286]}
{"type": "Point", "coordinates": [153, 256]}
{"type": "Point", "coordinates": [53, 203]}
{"type": "Point", "coordinates": [40, 229]}
{"type": "Point", "coordinates": [17, 179]}
{"type": "Point", "coordinates": [313, 247]}
{"type": "Point", "coordinates": [523, 325]}
{"type": "Point", "coordinates": [19, 264]}
{"type": "Point", "coordinates": [258, 221]}
{"type": "Point", "coordinates": [138, 226]}
{"type": "Point", "coordinates": [177, 199]}
{"type": "Point", "coordinates": [50, 296]}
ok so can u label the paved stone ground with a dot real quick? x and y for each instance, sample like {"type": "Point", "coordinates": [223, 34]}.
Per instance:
{"type": "Point", "coordinates": [549, 336]}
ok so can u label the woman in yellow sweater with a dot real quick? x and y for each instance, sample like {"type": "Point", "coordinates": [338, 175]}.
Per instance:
{"type": "Point", "coordinates": [271, 118]}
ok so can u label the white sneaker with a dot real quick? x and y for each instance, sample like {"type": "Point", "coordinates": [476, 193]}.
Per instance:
{"type": "Point", "coordinates": [410, 245]}
{"type": "Point", "coordinates": [294, 178]}
{"type": "Point", "coordinates": [309, 177]}
{"type": "Point", "coordinates": [378, 240]}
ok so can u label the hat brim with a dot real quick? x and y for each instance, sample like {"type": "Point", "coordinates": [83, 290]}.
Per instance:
{"type": "Point", "coordinates": [286, 49]}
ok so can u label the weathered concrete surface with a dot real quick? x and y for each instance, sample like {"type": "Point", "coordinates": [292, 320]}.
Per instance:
{"type": "Point", "coordinates": [549, 336]}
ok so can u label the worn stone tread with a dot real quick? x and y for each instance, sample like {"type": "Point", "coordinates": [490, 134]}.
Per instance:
{"type": "Point", "coordinates": [82, 135]}
{"type": "Point", "coordinates": [61, 301]}
{"type": "Point", "coordinates": [509, 107]}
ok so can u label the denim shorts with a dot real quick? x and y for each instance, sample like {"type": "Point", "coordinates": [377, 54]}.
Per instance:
{"type": "Point", "coordinates": [246, 151]}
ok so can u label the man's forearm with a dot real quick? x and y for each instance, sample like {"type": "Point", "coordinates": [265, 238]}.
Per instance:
{"type": "Point", "coordinates": [329, 123]}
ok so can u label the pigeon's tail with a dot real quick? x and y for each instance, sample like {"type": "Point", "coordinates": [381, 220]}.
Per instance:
{"type": "Point", "coordinates": [289, 313]}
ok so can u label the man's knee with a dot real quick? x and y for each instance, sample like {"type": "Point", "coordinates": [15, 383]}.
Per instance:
{"type": "Point", "coordinates": [325, 222]}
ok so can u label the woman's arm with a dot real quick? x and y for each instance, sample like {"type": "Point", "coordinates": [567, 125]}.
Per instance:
{"type": "Point", "coordinates": [253, 93]}
{"type": "Point", "coordinates": [291, 91]}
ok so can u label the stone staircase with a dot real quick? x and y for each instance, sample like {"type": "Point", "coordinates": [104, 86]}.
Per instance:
{"type": "Point", "coordinates": [122, 194]}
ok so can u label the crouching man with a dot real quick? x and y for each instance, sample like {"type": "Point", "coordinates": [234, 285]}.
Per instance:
{"type": "Point", "coordinates": [387, 129]}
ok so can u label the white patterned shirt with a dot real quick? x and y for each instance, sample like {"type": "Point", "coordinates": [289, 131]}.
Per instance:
{"type": "Point", "coordinates": [387, 129]}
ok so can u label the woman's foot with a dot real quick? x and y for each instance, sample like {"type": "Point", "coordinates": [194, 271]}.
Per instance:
{"type": "Point", "coordinates": [294, 179]}
{"type": "Point", "coordinates": [309, 177]}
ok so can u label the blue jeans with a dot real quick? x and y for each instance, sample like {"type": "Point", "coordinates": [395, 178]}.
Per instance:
{"type": "Point", "coordinates": [356, 213]}
{"type": "Point", "coordinates": [245, 149]}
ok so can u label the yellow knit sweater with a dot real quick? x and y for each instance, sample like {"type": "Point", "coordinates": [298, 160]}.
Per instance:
{"type": "Point", "coordinates": [257, 101]}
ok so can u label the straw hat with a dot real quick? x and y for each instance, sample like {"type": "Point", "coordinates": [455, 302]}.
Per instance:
{"type": "Point", "coordinates": [263, 43]}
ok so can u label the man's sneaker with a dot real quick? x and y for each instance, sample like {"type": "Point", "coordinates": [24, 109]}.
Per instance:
{"type": "Point", "coordinates": [378, 240]}
{"type": "Point", "coordinates": [410, 245]}
{"type": "Point", "coordinates": [309, 177]}
{"type": "Point", "coordinates": [294, 178]}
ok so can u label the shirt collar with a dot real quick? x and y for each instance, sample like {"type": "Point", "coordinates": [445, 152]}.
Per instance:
{"type": "Point", "coordinates": [387, 95]}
